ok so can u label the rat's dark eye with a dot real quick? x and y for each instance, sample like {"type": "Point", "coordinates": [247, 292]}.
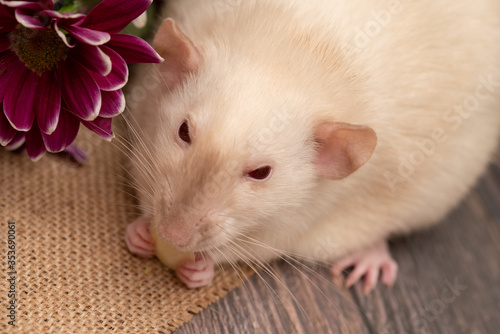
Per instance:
{"type": "Point", "coordinates": [261, 173]}
{"type": "Point", "coordinates": [183, 132]}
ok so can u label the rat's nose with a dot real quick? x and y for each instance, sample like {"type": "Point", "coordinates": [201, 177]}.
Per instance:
{"type": "Point", "coordinates": [178, 235]}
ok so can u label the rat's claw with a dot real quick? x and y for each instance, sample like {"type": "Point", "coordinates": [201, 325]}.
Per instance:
{"type": "Point", "coordinates": [369, 263]}
{"type": "Point", "coordinates": [138, 238]}
{"type": "Point", "coordinates": [371, 279]}
{"type": "Point", "coordinates": [359, 271]}
{"type": "Point", "coordinates": [197, 273]}
{"type": "Point", "coordinates": [389, 272]}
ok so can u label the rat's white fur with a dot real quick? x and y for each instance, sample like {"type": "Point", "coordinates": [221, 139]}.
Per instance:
{"type": "Point", "coordinates": [273, 70]}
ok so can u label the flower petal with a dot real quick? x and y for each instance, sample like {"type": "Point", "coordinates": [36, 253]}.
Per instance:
{"type": "Point", "coordinates": [48, 102]}
{"type": "Point", "coordinates": [64, 135]}
{"type": "Point", "coordinates": [7, 20]}
{"type": "Point", "coordinates": [4, 43]}
{"type": "Point", "coordinates": [88, 36]}
{"type": "Point", "coordinates": [16, 142]}
{"type": "Point", "coordinates": [114, 15]}
{"type": "Point", "coordinates": [93, 58]}
{"type": "Point", "coordinates": [7, 27]}
{"type": "Point", "coordinates": [26, 13]}
{"type": "Point", "coordinates": [19, 100]}
{"type": "Point", "coordinates": [33, 5]}
{"type": "Point", "coordinates": [101, 126]}
{"type": "Point", "coordinates": [133, 49]}
{"type": "Point", "coordinates": [49, 4]}
{"type": "Point", "coordinates": [62, 35]}
{"type": "Point", "coordinates": [7, 132]}
{"type": "Point", "coordinates": [4, 12]}
{"type": "Point", "coordinates": [26, 18]}
{"type": "Point", "coordinates": [34, 143]}
{"type": "Point", "coordinates": [76, 153]}
{"type": "Point", "coordinates": [65, 18]}
{"type": "Point", "coordinates": [80, 92]}
{"type": "Point", "coordinates": [119, 73]}
{"type": "Point", "coordinates": [9, 65]}
{"type": "Point", "coordinates": [113, 103]}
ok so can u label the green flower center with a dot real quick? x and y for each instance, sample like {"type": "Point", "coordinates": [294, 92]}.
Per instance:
{"type": "Point", "coordinates": [39, 50]}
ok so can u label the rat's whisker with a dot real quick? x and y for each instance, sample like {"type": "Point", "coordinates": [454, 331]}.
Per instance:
{"type": "Point", "coordinates": [251, 263]}
{"type": "Point", "coordinates": [266, 267]}
{"type": "Point", "coordinates": [298, 266]}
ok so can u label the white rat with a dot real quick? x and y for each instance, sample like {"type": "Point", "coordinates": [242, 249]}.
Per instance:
{"type": "Point", "coordinates": [314, 129]}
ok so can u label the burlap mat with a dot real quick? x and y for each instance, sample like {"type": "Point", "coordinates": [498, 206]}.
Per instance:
{"type": "Point", "coordinates": [74, 273]}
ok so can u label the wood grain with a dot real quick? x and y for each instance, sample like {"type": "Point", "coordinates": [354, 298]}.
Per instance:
{"type": "Point", "coordinates": [449, 282]}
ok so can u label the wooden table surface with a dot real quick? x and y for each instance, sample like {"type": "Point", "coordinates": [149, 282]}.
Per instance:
{"type": "Point", "coordinates": [449, 282]}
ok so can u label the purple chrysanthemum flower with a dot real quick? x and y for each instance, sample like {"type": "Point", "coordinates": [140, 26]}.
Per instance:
{"type": "Point", "coordinates": [58, 70]}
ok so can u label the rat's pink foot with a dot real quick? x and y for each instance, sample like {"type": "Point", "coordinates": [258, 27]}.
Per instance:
{"type": "Point", "coordinates": [197, 273]}
{"type": "Point", "coordinates": [369, 262]}
{"type": "Point", "coordinates": [138, 238]}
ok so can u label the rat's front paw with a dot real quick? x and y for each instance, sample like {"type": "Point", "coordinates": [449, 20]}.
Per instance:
{"type": "Point", "coordinates": [197, 273]}
{"type": "Point", "coordinates": [138, 238]}
{"type": "Point", "coordinates": [370, 262]}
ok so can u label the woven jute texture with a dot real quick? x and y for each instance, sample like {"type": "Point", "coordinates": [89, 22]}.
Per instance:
{"type": "Point", "coordinates": [74, 273]}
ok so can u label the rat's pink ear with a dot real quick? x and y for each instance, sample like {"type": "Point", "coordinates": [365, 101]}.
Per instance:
{"type": "Point", "coordinates": [342, 148]}
{"type": "Point", "coordinates": [180, 54]}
